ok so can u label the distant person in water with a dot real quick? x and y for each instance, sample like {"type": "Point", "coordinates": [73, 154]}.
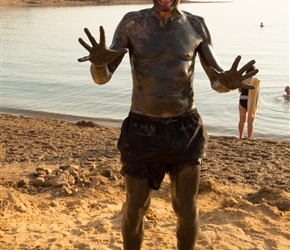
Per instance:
{"type": "Point", "coordinates": [249, 104]}
{"type": "Point", "coordinates": [287, 95]}
{"type": "Point", "coordinates": [262, 25]}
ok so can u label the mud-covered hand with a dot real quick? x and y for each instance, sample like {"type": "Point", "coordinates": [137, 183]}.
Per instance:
{"type": "Point", "coordinates": [233, 78]}
{"type": "Point", "coordinates": [99, 53]}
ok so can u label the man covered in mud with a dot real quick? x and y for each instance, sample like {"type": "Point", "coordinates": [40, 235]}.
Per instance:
{"type": "Point", "coordinates": [163, 132]}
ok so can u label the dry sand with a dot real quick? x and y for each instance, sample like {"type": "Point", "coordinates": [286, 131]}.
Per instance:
{"type": "Point", "coordinates": [244, 196]}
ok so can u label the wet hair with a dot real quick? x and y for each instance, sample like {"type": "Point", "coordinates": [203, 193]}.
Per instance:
{"type": "Point", "coordinates": [252, 68]}
{"type": "Point", "coordinates": [286, 88]}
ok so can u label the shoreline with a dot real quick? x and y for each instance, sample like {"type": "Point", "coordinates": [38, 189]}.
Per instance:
{"type": "Point", "coordinates": [63, 117]}
{"type": "Point", "coordinates": [118, 122]}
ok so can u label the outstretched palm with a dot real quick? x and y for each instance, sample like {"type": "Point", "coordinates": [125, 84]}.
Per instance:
{"type": "Point", "coordinates": [99, 53]}
{"type": "Point", "coordinates": [233, 78]}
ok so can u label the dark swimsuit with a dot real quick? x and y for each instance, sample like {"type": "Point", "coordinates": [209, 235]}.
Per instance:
{"type": "Point", "coordinates": [244, 98]}
{"type": "Point", "coordinates": [151, 146]}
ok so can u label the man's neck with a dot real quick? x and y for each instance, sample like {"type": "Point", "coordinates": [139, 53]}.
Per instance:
{"type": "Point", "coordinates": [165, 16]}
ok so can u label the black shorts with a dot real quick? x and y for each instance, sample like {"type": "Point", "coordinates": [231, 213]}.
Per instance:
{"type": "Point", "coordinates": [151, 146]}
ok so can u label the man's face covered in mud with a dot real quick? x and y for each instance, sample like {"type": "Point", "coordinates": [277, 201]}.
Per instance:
{"type": "Point", "coordinates": [165, 5]}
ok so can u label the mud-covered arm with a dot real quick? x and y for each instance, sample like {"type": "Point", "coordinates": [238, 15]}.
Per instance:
{"type": "Point", "coordinates": [104, 60]}
{"type": "Point", "coordinates": [221, 80]}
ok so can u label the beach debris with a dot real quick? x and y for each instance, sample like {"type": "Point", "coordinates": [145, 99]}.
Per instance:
{"type": "Point", "coordinates": [69, 177]}
{"type": "Point", "coordinates": [89, 124]}
{"type": "Point", "coordinates": [22, 182]}
{"type": "Point", "coordinates": [150, 215]}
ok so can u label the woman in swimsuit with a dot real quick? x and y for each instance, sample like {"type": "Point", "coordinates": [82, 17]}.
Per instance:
{"type": "Point", "coordinates": [245, 116]}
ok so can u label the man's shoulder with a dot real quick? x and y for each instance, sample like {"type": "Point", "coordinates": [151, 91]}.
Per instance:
{"type": "Point", "coordinates": [192, 17]}
{"type": "Point", "coordinates": [130, 19]}
{"type": "Point", "coordinates": [197, 22]}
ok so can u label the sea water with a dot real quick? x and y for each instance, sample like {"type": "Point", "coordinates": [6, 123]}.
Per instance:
{"type": "Point", "coordinates": [40, 75]}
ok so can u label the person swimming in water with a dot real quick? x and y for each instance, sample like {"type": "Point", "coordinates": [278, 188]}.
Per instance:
{"type": "Point", "coordinates": [287, 95]}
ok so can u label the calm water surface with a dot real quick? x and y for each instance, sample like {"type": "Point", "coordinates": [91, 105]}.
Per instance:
{"type": "Point", "coordinates": [41, 76]}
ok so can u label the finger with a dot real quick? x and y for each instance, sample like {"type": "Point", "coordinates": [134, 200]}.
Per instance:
{"type": "Point", "coordinates": [85, 45]}
{"type": "Point", "coordinates": [102, 37]}
{"type": "Point", "coordinates": [247, 66]}
{"type": "Point", "coordinates": [91, 38]}
{"type": "Point", "coordinates": [83, 59]}
{"type": "Point", "coordinates": [236, 63]}
{"type": "Point", "coordinates": [246, 86]}
{"type": "Point", "coordinates": [252, 73]}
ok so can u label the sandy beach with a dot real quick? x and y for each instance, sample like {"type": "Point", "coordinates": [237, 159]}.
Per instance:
{"type": "Point", "coordinates": [61, 189]}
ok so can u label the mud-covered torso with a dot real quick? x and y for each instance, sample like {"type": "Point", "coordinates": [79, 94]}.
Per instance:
{"type": "Point", "coordinates": [162, 58]}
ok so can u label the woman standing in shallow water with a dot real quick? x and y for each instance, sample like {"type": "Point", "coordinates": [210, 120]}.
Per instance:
{"type": "Point", "coordinates": [249, 104]}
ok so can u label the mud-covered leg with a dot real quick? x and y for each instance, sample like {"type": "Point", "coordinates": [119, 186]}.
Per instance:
{"type": "Point", "coordinates": [138, 197]}
{"type": "Point", "coordinates": [184, 186]}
